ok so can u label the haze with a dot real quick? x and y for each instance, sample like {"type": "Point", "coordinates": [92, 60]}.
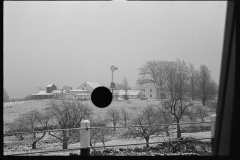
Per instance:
{"type": "Point", "coordinates": [69, 43]}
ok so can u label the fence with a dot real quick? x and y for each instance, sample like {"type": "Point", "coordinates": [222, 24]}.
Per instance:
{"type": "Point", "coordinates": [84, 135]}
{"type": "Point", "coordinates": [8, 104]}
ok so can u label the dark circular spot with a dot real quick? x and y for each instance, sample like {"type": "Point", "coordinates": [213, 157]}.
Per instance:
{"type": "Point", "coordinates": [101, 97]}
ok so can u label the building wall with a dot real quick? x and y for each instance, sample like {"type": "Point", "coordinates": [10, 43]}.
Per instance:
{"type": "Point", "coordinates": [133, 96]}
{"type": "Point", "coordinates": [73, 95]}
{"type": "Point", "coordinates": [150, 91]}
{"type": "Point", "coordinates": [50, 89]}
{"type": "Point", "coordinates": [69, 96]}
{"type": "Point", "coordinates": [87, 87]}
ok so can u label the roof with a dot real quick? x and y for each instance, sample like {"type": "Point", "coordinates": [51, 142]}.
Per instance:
{"type": "Point", "coordinates": [83, 94]}
{"type": "Point", "coordinates": [50, 85]}
{"type": "Point", "coordinates": [129, 92]}
{"type": "Point", "coordinates": [76, 90]}
{"type": "Point", "coordinates": [58, 91]}
{"type": "Point", "coordinates": [42, 93]}
{"type": "Point", "coordinates": [93, 84]}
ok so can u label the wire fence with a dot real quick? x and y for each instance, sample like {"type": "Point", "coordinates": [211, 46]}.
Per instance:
{"type": "Point", "coordinates": [54, 138]}
{"type": "Point", "coordinates": [9, 104]}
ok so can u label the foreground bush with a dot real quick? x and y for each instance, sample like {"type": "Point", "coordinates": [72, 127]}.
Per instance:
{"type": "Point", "coordinates": [182, 147]}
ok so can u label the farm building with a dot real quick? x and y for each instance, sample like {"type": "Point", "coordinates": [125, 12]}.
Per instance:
{"type": "Point", "coordinates": [50, 88]}
{"type": "Point", "coordinates": [83, 92]}
{"type": "Point", "coordinates": [77, 94]}
{"type": "Point", "coordinates": [153, 91]}
{"type": "Point", "coordinates": [89, 86]}
{"type": "Point", "coordinates": [132, 94]}
{"type": "Point", "coordinates": [50, 92]}
{"type": "Point", "coordinates": [58, 93]}
{"type": "Point", "coordinates": [42, 95]}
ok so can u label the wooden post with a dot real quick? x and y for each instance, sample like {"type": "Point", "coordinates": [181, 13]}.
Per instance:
{"type": "Point", "coordinates": [213, 119]}
{"type": "Point", "coordinates": [85, 138]}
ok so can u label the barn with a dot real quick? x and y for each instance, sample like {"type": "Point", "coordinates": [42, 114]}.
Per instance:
{"type": "Point", "coordinates": [42, 95]}
{"type": "Point", "coordinates": [47, 94]}
{"type": "Point", "coordinates": [50, 88]}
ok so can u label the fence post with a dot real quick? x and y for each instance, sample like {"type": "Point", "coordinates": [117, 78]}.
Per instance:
{"type": "Point", "coordinates": [85, 138]}
{"type": "Point", "coordinates": [213, 119]}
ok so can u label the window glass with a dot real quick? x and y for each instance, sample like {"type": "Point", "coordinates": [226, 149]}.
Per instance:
{"type": "Point", "coordinates": [175, 45]}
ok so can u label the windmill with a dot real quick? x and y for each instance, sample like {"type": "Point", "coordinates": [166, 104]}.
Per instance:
{"type": "Point", "coordinates": [113, 68]}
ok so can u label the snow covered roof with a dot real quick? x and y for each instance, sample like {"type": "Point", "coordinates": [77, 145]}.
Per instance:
{"type": "Point", "coordinates": [42, 93]}
{"type": "Point", "coordinates": [129, 92]}
{"type": "Point", "coordinates": [50, 85]}
{"type": "Point", "coordinates": [94, 84]}
{"type": "Point", "coordinates": [83, 94]}
{"type": "Point", "coordinates": [58, 91]}
{"type": "Point", "coordinates": [77, 90]}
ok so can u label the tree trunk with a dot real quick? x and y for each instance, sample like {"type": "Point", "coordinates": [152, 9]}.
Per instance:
{"type": "Point", "coordinates": [178, 130]}
{"type": "Point", "coordinates": [114, 127]}
{"type": "Point", "coordinates": [147, 142]}
{"type": "Point", "coordinates": [65, 143]}
{"type": "Point", "coordinates": [166, 131]}
{"type": "Point", "coordinates": [34, 145]}
{"type": "Point", "coordinates": [204, 101]}
{"type": "Point", "coordinates": [103, 144]}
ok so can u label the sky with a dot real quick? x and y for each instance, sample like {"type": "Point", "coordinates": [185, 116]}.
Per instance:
{"type": "Point", "coordinates": [69, 43]}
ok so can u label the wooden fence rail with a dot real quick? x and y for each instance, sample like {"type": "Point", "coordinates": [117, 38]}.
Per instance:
{"type": "Point", "coordinates": [85, 136]}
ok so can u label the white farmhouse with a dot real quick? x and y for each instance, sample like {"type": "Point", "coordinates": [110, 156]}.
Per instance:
{"type": "Point", "coordinates": [89, 86]}
{"type": "Point", "coordinates": [153, 91]}
{"type": "Point", "coordinates": [77, 94]}
{"type": "Point", "coordinates": [83, 92]}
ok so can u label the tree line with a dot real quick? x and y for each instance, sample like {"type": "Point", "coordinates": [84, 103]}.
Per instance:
{"type": "Point", "coordinates": [179, 79]}
{"type": "Point", "coordinates": [66, 114]}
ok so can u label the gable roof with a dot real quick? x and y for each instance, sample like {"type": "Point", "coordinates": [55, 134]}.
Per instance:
{"type": "Point", "coordinates": [50, 85]}
{"type": "Point", "coordinates": [76, 90]}
{"type": "Point", "coordinates": [42, 93]}
{"type": "Point", "coordinates": [129, 92]}
{"type": "Point", "coordinates": [93, 84]}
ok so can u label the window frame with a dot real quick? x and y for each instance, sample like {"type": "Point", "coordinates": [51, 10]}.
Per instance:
{"type": "Point", "coordinates": [225, 136]}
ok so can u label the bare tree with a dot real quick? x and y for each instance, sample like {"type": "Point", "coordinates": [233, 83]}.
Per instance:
{"type": "Point", "coordinates": [113, 116]}
{"type": "Point", "coordinates": [192, 116]}
{"type": "Point", "coordinates": [101, 134]}
{"type": "Point", "coordinates": [68, 114]}
{"type": "Point", "coordinates": [18, 125]}
{"type": "Point", "coordinates": [193, 81]}
{"type": "Point", "coordinates": [171, 78]}
{"type": "Point", "coordinates": [125, 115]}
{"type": "Point", "coordinates": [201, 113]}
{"type": "Point", "coordinates": [42, 88]}
{"type": "Point", "coordinates": [67, 88]}
{"type": "Point", "coordinates": [207, 87]}
{"type": "Point", "coordinates": [177, 107]}
{"type": "Point", "coordinates": [165, 117]}
{"type": "Point", "coordinates": [149, 117]}
{"type": "Point", "coordinates": [124, 85]}
{"type": "Point", "coordinates": [154, 72]}
{"type": "Point", "coordinates": [6, 97]}
{"type": "Point", "coordinates": [31, 121]}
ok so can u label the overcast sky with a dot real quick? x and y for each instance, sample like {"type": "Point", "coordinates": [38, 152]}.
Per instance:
{"type": "Point", "coordinates": [69, 43]}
